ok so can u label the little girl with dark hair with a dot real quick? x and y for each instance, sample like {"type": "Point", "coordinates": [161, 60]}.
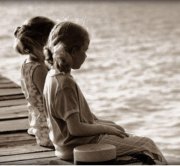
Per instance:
{"type": "Point", "coordinates": [70, 119]}
{"type": "Point", "coordinates": [30, 39]}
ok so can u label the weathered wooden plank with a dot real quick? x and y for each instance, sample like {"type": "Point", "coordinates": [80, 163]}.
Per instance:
{"type": "Point", "coordinates": [5, 83]}
{"type": "Point", "coordinates": [3, 77]}
{"type": "Point", "coordinates": [16, 138]}
{"type": "Point", "coordinates": [12, 91]}
{"type": "Point", "coordinates": [5, 80]}
{"type": "Point", "coordinates": [57, 161]}
{"type": "Point", "coordinates": [8, 85]}
{"type": "Point", "coordinates": [8, 103]}
{"type": "Point", "coordinates": [11, 117]}
{"type": "Point", "coordinates": [12, 97]}
{"type": "Point", "coordinates": [26, 156]}
{"type": "Point", "coordinates": [39, 161]}
{"type": "Point", "coordinates": [13, 112]}
{"type": "Point", "coordinates": [22, 149]}
{"type": "Point", "coordinates": [13, 125]}
{"type": "Point", "coordinates": [13, 108]}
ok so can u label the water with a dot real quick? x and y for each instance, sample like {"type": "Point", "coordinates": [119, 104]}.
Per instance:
{"type": "Point", "coordinates": [131, 75]}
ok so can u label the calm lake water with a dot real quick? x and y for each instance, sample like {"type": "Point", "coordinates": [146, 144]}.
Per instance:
{"type": "Point", "coordinates": [131, 75]}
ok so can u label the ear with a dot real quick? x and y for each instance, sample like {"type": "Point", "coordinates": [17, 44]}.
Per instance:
{"type": "Point", "coordinates": [74, 51]}
{"type": "Point", "coordinates": [26, 50]}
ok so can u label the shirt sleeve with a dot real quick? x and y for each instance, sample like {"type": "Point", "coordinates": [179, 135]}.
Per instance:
{"type": "Point", "coordinates": [66, 103]}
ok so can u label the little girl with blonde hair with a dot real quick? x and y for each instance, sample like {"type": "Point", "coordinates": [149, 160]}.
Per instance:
{"type": "Point", "coordinates": [70, 119]}
{"type": "Point", "coordinates": [30, 39]}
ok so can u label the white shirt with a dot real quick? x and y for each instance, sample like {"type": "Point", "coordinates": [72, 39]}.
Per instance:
{"type": "Point", "coordinates": [63, 97]}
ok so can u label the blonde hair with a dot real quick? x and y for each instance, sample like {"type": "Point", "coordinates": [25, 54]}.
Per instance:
{"type": "Point", "coordinates": [33, 35]}
{"type": "Point", "coordinates": [70, 36]}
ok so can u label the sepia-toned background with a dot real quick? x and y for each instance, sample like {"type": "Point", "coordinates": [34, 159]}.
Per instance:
{"type": "Point", "coordinates": [131, 75]}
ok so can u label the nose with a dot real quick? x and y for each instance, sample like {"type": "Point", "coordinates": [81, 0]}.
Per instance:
{"type": "Point", "coordinates": [16, 31]}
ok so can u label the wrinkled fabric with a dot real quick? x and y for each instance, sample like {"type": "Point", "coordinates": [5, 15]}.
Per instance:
{"type": "Point", "coordinates": [135, 147]}
{"type": "Point", "coordinates": [64, 98]}
{"type": "Point", "coordinates": [36, 114]}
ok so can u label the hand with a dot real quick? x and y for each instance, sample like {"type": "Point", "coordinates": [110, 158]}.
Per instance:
{"type": "Point", "coordinates": [110, 123]}
{"type": "Point", "coordinates": [118, 127]}
{"type": "Point", "coordinates": [114, 131]}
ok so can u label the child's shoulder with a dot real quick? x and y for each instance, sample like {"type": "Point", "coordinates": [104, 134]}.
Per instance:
{"type": "Point", "coordinates": [66, 81]}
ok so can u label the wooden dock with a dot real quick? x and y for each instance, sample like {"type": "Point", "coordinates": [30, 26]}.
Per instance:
{"type": "Point", "coordinates": [16, 146]}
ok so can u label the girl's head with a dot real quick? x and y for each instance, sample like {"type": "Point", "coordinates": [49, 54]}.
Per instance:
{"type": "Point", "coordinates": [32, 36]}
{"type": "Point", "coordinates": [66, 46]}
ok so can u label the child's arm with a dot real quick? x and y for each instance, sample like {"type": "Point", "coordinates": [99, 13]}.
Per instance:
{"type": "Point", "coordinates": [39, 77]}
{"type": "Point", "coordinates": [78, 128]}
{"type": "Point", "coordinates": [110, 123]}
{"type": "Point", "coordinates": [107, 122]}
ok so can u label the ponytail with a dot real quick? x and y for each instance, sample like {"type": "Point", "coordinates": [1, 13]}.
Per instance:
{"type": "Point", "coordinates": [60, 62]}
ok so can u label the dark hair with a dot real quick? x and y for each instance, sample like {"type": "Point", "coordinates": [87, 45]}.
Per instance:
{"type": "Point", "coordinates": [70, 35]}
{"type": "Point", "coordinates": [34, 34]}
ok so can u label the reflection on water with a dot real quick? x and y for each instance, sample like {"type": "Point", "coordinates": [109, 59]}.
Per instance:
{"type": "Point", "coordinates": [131, 73]}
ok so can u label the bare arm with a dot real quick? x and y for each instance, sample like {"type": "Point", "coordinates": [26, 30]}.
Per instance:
{"type": "Point", "coordinates": [78, 128]}
{"type": "Point", "coordinates": [110, 123]}
{"type": "Point", "coordinates": [107, 122]}
{"type": "Point", "coordinates": [39, 77]}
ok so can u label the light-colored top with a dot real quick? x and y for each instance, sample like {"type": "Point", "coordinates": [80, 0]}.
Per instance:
{"type": "Point", "coordinates": [37, 116]}
{"type": "Point", "coordinates": [63, 97]}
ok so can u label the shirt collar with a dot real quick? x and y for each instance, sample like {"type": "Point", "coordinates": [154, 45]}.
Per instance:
{"type": "Point", "coordinates": [53, 72]}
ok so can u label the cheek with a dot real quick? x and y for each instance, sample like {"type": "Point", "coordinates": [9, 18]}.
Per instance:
{"type": "Point", "coordinates": [80, 60]}
{"type": "Point", "coordinates": [67, 58]}
{"type": "Point", "coordinates": [83, 57]}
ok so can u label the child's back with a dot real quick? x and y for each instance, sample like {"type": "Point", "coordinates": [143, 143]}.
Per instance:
{"type": "Point", "coordinates": [30, 39]}
{"type": "Point", "coordinates": [37, 117]}
{"type": "Point", "coordinates": [58, 90]}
